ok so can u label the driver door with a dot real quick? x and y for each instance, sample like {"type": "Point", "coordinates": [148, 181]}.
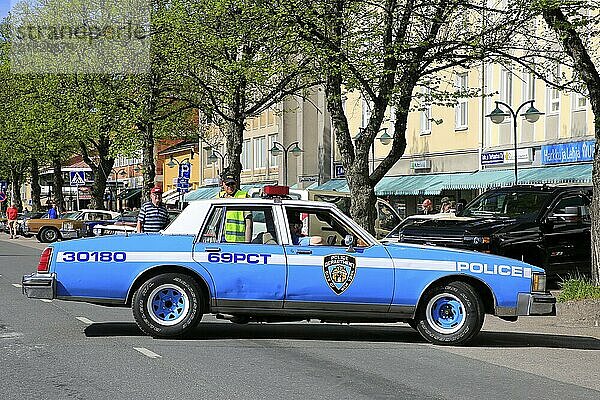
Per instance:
{"type": "Point", "coordinates": [245, 274]}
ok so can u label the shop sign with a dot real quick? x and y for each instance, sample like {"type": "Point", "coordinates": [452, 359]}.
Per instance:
{"type": "Point", "coordinates": [568, 152]}
{"type": "Point", "coordinates": [308, 178]}
{"type": "Point", "coordinates": [506, 157]}
{"type": "Point", "coordinates": [338, 171]}
{"type": "Point", "coordinates": [420, 164]}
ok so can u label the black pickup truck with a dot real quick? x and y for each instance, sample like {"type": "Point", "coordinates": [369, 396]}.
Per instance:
{"type": "Point", "coordinates": [545, 226]}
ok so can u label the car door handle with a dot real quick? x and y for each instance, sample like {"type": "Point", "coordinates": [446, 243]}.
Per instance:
{"type": "Point", "coordinates": [304, 251]}
{"type": "Point", "coordinates": [212, 249]}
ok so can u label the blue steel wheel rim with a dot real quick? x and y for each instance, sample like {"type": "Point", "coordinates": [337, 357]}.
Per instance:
{"type": "Point", "coordinates": [168, 304]}
{"type": "Point", "coordinates": [446, 313]}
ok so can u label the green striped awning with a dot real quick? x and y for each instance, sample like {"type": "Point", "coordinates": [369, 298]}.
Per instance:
{"type": "Point", "coordinates": [433, 184]}
{"type": "Point", "coordinates": [576, 173]}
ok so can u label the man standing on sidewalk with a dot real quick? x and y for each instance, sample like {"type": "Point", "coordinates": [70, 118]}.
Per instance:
{"type": "Point", "coordinates": [153, 214]}
{"type": "Point", "coordinates": [11, 215]}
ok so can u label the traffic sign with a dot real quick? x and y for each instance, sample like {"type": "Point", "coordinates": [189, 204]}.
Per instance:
{"type": "Point", "coordinates": [184, 170]}
{"type": "Point", "coordinates": [2, 197]}
{"type": "Point", "coordinates": [77, 178]}
{"type": "Point", "coordinates": [3, 186]}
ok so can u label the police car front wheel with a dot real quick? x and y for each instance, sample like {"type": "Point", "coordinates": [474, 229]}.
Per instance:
{"type": "Point", "coordinates": [167, 305]}
{"type": "Point", "coordinates": [450, 314]}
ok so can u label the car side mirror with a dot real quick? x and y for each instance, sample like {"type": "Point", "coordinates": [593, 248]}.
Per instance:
{"type": "Point", "coordinates": [571, 214]}
{"type": "Point", "coordinates": [349, 241]}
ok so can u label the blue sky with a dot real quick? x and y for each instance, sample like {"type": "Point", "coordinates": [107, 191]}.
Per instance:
{"type": "Point", "coordinates": [4, 7]}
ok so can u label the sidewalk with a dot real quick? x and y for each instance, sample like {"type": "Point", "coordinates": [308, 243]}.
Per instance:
{"type": "Point", "coordinates": [23, 241]}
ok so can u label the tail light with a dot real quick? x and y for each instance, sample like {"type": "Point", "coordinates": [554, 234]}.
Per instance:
{"type": "Point", "coordinates": [44, 264]}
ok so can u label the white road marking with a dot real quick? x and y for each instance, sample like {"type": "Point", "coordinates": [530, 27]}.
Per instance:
{"type": "Point", "coordinates": [46, 300]}
{"type": "Point", "coordinates": [85, 320]}
{"type": "Point", "coordinates": [147, 352]}
{"type": "Point", "coordinates": [17, 285]}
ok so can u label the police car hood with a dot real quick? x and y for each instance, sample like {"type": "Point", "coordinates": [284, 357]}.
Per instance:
{"type": "Point", "coordinates": [406, 251]}
{"type": "Point", "coordinates": [155, 242]}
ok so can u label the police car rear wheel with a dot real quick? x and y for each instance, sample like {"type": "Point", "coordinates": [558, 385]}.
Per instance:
{"type": "Point", "coordinates": [167, 305]}
{"type": "Point", "coordinates": [451, 315]}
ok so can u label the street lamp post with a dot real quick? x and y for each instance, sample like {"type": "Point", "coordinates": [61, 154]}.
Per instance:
{"type": "Point", "coordinates": [117, 172]}
{"type": "Point", "coordinates": [531, 115]}
{"type": "Point", "coordinates": [278, 149]}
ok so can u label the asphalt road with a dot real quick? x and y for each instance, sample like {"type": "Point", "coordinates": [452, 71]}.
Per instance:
{"type": "Point", "coordinates": [60, 350]}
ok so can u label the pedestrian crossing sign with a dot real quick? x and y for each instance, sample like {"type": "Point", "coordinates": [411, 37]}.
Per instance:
{"type": "Point", "coordinates": [77, 178]}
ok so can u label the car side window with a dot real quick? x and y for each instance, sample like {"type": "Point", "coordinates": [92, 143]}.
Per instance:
{"type": "Point", "coordinates": [212, 229]}
{"type": "Point", "coordinates": [315, 227]}
{"type": "Point", "coordinates": [229, 225]}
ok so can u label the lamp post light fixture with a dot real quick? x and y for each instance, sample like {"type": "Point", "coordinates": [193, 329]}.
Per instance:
{"type": "Point", "coordinates": [216, 156]}
{"type": "Point", "coordinates": [531, 115]}
{"type": "Point", "coordinates": [279, 149]}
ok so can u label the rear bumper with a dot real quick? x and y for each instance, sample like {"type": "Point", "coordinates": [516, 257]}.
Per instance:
{"type": "Point", "coordinates": [39, 286]}
{"type": "Point", "coordinates": [536, 304]}
{"type": "Point", "coordinates": [70, 234]}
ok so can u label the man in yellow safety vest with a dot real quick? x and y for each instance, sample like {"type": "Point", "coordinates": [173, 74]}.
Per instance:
{"type": "Point", "coordinates": [238, 224]}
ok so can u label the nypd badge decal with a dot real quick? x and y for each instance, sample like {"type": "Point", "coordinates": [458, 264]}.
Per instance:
{"type": "Point", "coordinates": [339, 271]}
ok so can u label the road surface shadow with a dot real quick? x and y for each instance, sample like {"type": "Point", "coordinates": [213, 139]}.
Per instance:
{"type": "Point", "coordinates": [356, 333]}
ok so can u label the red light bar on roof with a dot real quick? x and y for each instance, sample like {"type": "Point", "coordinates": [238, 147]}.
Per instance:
{"type": "Point", "coordinates": [273, 190]}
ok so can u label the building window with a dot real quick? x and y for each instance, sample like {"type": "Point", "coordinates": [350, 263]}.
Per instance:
{"type": "Point", "coordinates": [272, 159]}
{"type": "Point", "coordinates": [579, 102]}
{"type": "Point", "coordinates": [246, 155]}
{"type": "Point", "coordinates": [528, 86]}
{"type": "Point", "coordinates": [426, 112]}
{"type": "Point", "coordinates": [553, 100]}
{"type": "Point", "coordinates": [506, 86]}
{"type": "Point", "coordinates": [366, 113]}
{"type": "Point", "coordinates": [461, 109]}
{"type": "Point", "coordinates": [207, 153]}
{"type": "Point", "coordinates": [259, 153]}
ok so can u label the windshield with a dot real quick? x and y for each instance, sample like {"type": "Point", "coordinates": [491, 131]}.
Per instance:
{"type": "Point", "coordinates": [506, 204]}
{"type": "Point", "coordinates": [71, 215]}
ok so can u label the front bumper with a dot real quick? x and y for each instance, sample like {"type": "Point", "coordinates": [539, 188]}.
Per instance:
{"type": "Point", "coordinates": [39, 286]}
{"type": "Point", "coordinates": [536, 304]}
{"type": "Point", "coordinates": [70, 233]}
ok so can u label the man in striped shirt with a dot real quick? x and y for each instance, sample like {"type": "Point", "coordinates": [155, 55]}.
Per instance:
{"type": "Point", "coordinates": [153, 214]}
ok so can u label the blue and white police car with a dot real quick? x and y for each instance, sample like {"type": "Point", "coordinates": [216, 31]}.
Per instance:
{"type": "Point", "coordinates": [292, 260]}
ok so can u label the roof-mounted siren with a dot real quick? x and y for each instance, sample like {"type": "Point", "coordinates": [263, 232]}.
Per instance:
{"type": "Point", "coordinates": [271, 191]}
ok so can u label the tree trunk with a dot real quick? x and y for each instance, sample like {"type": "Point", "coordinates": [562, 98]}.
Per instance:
{"type": "Point", "coordinates": [58, 183]}
{"type": "Point", "coordinates": [148, 159]}
{"type": "Point", "coordinates": [574, 47]}
{"type": "Point", "coordinates": [36, 189]}
{"type": "Point", "coordinates": [101, 170]}
{"type": "Point", "coordinates": [234, 138]}
{"type": "Point", "coordinates": [15, 178]}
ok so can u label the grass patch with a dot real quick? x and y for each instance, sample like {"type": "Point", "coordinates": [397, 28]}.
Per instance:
{"type": "Point", "coordinates": [578, 289]}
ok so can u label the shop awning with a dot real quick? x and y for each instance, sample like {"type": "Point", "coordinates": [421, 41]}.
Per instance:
{"type": "Point", "coordinates": [392, 185]}
{"type": "Point", "coordinates": [129, 193]}
{"type": "Point", "coordinates": [577, 173]}
{"type": "Point", "coordinates": [433, 184]}
{"type": "Point", "coordinates": [206, 192]}
{"type": "Point", "coordinates": [170, 197]}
